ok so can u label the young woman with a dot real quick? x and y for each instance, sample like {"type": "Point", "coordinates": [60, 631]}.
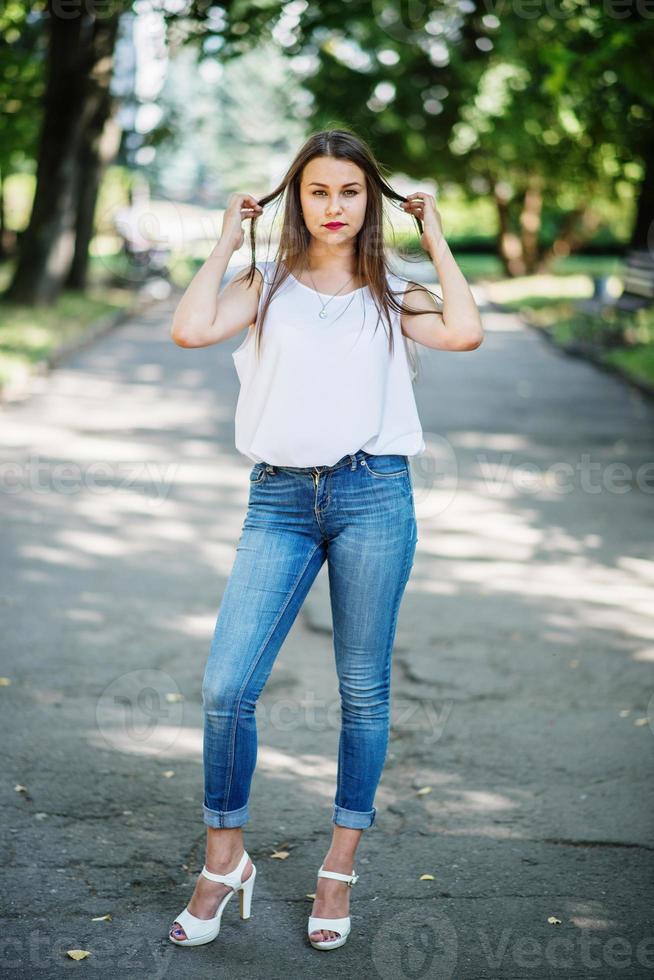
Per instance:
{"type": "Point", "coordinates": [327, 414]}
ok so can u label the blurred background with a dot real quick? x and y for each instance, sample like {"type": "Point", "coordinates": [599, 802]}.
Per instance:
{"type": "Point", "coordinates": [126, 126]}
{"type": "Point", "coordinates": [515, 808]}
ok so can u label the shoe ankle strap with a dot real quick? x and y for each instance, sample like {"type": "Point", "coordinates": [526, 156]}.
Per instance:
{"type": "Point", "coordinates": [350, 879]}
{"type": "Point", "coordinates": [232, 878]}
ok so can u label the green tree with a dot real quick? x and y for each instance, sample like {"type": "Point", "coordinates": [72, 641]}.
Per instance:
{"type": "Point", "coordinates": [545, 110]}
{"type": "Point", "coordinates": [76, 107]}
{"type": "Point", "coordinates": [22, 84]}
{"type": "Point", "coordinates": [224, 127]}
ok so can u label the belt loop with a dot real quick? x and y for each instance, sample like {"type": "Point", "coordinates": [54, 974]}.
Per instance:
{"type": "Point", "coordinates": [353, 461]}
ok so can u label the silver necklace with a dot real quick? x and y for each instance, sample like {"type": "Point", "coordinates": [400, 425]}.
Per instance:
{"type": "Point", "coordinates": [348, 305]}
{"type": "Point", "coordinates": [323, 314]}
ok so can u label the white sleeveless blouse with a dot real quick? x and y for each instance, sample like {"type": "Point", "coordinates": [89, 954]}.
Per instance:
{"type": "Point", "coordinates": [323, 388]}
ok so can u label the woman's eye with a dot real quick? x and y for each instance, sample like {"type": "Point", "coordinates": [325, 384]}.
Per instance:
{"type": "Point", "coordinates": [354, 193]}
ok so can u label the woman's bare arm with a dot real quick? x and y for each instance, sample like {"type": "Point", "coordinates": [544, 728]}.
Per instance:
{"type": "Point", "coordinates": [457, 327]}
{"type": "Point", "coordinates": [206, 314]}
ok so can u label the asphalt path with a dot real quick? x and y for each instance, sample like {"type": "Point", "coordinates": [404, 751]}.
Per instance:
{"type": "Point", "coordinates": [519, 773]}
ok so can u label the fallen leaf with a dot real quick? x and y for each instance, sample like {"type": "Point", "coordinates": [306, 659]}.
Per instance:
{"type": "Point", "coordinates": [553, 921]}
{"type": "Point", "coordinates": [5, 681]}
{"type": "Point", "coordinates": [174, 696]}
{"type": "Point", "coordinates": [311, 894]}
{"type": "Point", "coordinates": [423, 790]}
{"type": "Point", "coordinates": [426, 878]}
{"type": "Point", "coordinates": [102, 918]}
{"type": "Point", "coordinates": [280, 854]}
{"type": "Point", "coordinates": [625, 712]}
{"type": "Point", "coordinates": [641, 721]}
{"type": "Point", "coordinates": [77, 954]}
{"type": "Point", "coordinates": [168, 773]}
{"type": "Point", "coordinates": [20, 789]}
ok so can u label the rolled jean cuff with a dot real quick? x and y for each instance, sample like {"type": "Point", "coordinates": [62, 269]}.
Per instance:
{"type": "Point", "coordinates": [354, 819]}
{"type": "Point", "coordinates": [225, 818]}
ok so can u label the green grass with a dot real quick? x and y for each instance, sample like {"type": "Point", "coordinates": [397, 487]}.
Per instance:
{"type": "Point", "coordinates": [475, 267]}
{"type": "Point", "coordinates": [486, 265]}
{"type": "Point", "coordinates": [29, 334]}
{"type": "Point", "coordinates": [590, 265]}
{"type": "Point", "coordinates": [637, 362]}
{"type": "Point", "coordinates": [623, 340]}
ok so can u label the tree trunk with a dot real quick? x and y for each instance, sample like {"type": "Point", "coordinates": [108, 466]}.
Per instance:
{"type": "Point", "coordinates": [509, 246]}
{"type": "Point", "coordinates": [98, 151]}
{"type": "Point", "coordinates": [642, 236]}
{"type": "Point", "coordinates": [577, 228]}
{"type": "Point", "coordinates": [79, 65]}
{"type": "Point", "coordinates": [2, 216]}
{"type": "Point", "coordinates": [530, 224]}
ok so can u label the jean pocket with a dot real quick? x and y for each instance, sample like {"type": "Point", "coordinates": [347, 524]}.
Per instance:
{"type": "Point", "coordinates": [387, 466]}
{"type": "Point", "coordinates": [257, 473]}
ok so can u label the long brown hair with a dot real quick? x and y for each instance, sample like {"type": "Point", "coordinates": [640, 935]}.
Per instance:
{"type": "Point", "coordinates": [372, 264]}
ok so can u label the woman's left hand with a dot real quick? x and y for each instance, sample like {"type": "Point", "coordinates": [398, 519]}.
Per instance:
{"type": "Point", "coordinates": [423, 206]}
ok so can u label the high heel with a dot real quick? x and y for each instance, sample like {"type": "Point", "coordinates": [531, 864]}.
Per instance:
{"type": "Point", "coordinates": [342, 925]}
{"type": "Point", "coordinates": [199, 931]}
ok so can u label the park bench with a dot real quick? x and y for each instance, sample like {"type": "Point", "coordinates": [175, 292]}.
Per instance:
{"type": "Point", "coordinates": [637, 286]}
{"type": "Point", "coordinates": [146, 258]}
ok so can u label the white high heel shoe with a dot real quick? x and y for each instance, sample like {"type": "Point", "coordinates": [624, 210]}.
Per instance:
{"type": "Point", "coordinates": [199, 931]}
{"type": "Point", "coordinates": [341, 926]}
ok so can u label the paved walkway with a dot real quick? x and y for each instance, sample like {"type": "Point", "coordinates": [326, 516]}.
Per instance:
{"type": "Point", "coordinates": [522, 678]}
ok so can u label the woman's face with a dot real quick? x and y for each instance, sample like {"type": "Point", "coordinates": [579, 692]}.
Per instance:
{"type": "Point", "coordinates": [333, 192]}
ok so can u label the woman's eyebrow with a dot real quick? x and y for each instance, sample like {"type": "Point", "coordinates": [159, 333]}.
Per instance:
{"type": "Point", "coordinates": [350, 184]}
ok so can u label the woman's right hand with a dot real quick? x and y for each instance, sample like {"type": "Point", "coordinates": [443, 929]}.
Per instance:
{"type": "Point", "coordinates": [239, 207]}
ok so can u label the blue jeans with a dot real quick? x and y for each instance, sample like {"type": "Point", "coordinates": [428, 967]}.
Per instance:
{"type": "Point", "coordinates": [358, 514]}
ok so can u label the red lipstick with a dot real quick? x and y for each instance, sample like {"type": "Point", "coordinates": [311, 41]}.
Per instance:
{"type": "Point", "coordinates": [335, 224]}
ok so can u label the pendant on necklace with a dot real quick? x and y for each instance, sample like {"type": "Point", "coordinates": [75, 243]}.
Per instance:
{"type": "Point", "coordinates": [322, 315]}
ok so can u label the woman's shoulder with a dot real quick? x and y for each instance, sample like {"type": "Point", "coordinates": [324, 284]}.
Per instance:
{"type": "Point", "coordinates": [396, 282]}
{"type": "Point", "coordinates": [267, 270]}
